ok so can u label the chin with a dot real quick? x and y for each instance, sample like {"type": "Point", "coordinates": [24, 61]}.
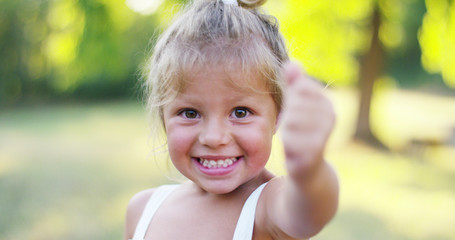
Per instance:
{"type": "Point", "coordinates": [218, 188]}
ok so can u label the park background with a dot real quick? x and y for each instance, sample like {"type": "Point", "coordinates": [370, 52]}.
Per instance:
{"type": "Point", "coordinates": [75, 143]}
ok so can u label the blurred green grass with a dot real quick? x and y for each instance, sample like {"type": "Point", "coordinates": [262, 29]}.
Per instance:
{"type": "Point", "coordinates": [68, 171]}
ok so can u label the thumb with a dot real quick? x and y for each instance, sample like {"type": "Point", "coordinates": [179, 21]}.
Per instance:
{"type": "Point", "coordinates": [292, 71]}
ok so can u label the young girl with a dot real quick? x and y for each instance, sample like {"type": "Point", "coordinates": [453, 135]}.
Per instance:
{"type": "Point", "coordinates": [220, 84]}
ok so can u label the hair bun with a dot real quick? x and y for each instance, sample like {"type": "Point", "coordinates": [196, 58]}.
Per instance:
{"type": "Point", "coordinates": [251, 3]}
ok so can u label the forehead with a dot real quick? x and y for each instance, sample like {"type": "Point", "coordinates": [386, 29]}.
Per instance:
{"type": "Point", "coordinates": [227, 76]}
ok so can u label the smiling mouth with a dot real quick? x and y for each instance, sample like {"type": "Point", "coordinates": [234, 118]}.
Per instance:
{"type": "Point", "coordinates": [217, 163]}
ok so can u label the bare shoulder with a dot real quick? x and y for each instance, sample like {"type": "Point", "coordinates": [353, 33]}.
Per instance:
{"type": "Point", "coordinates": [267, 200]}
{"type": "Point", "coordinates": [134, 211]}
{"type": "Point", "coordinates": [273, 187]}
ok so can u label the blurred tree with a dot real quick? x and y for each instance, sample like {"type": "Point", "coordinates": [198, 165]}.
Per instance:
{"type": "Point", "coordinates": [92, 48]}
{"type": "Point", "coordinates": [347, 41]}
{"type": "Point", "coordinates": [370, 70]}
{"type": "Point", "coordinates": [21, 35]}
{"type": "Point", "coordinates": [70, 48]}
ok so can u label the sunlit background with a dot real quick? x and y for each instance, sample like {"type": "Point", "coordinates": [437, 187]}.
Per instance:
{"type": "Point", "coordinates": [74, 136]}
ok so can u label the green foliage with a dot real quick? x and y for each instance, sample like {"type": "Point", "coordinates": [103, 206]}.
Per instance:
{"type": "Point", "coordinates": [69, 48]}
{"type": "Point", "coordinates": [326, 35]}
{"type": "Point", "coordinates": [94, 48]}
{"type": "Point", "coordinates": [437, 39]}
{"type": "Point", "coordinates": [329, 37]}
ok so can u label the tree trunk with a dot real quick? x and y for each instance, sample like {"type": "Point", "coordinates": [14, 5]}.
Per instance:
{"type": "Point", "coordinates": [371, 68]}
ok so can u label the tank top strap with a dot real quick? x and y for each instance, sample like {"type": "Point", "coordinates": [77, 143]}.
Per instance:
{"type": "Point", "coordinates": [245, 224]}
{"type": "Point", "coordinates": [159, 195]}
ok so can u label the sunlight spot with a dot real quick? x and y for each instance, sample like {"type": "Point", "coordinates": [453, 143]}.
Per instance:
{"type": "Point", "coordinates": [51, 225]}
{"type": "Point", "coordinates": [7, 163]}
{"type": "Point", "coordinates": [61, 48]}
{"type": "Point", "coordinates": [145, 7]}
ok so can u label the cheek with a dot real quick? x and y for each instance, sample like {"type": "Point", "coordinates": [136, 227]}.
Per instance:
{"type": "Point", "coordinates": [179, 140]}
{"type": "Point", "coordinates": [257, 143]}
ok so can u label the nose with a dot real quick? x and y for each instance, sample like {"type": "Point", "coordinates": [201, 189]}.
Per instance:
{"type": "Point", "coordinates": [215, 133]}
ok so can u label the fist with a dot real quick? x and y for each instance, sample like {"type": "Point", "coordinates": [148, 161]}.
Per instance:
{"type": "Point", "coordinates": [307, 121]}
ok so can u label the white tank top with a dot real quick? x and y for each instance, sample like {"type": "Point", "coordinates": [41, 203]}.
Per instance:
{"type": "Point", "coordinates": [243, 230]}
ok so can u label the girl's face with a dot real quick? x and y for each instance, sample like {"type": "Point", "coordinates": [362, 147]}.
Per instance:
{"type": "Point", "coordinates": [219, 131]}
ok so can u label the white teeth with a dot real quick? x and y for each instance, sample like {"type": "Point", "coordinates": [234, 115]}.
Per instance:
{"type": "Point", "coordinates": [212, 164]}
{"type": "Point", "coordinates": [217, 163]}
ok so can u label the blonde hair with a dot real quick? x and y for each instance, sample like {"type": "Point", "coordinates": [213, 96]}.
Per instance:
{"type": "Point", "coordinates": [212, 32]}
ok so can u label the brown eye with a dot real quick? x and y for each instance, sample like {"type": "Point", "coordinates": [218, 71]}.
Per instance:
{"type": "Point", "coordinates": [240, 113]}
{"type": "Point", "coordinates": [190, 114]}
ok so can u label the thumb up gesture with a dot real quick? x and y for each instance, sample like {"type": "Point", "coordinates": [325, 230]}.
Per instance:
{"type": "Point", "coordinates": [307, 121]}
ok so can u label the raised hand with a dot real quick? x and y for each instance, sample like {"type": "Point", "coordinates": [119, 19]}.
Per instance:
{"type": "Point", "coordinates": [307, 121]}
